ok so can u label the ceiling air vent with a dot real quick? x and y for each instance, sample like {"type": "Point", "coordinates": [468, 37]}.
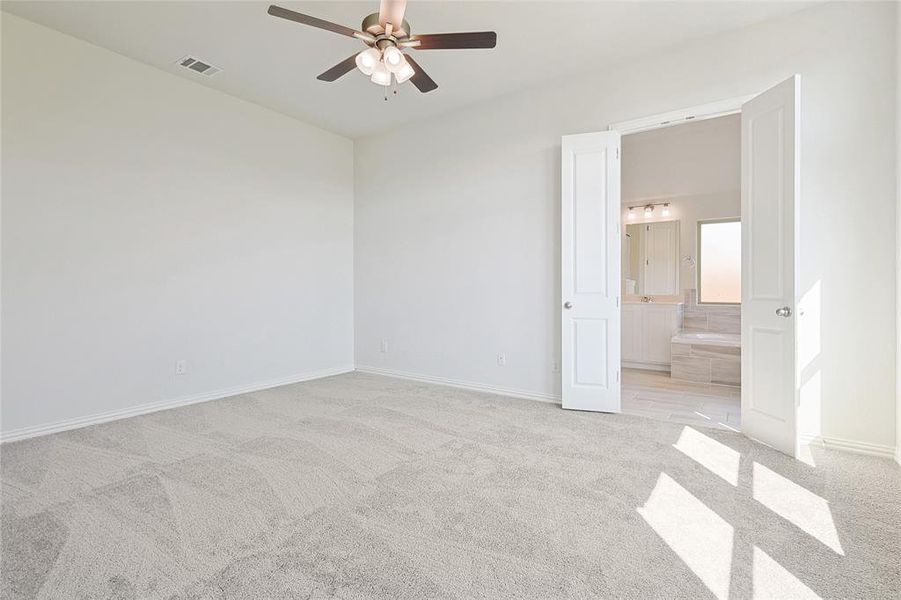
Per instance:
{"type": "Point", "coordinates": [199, 66]}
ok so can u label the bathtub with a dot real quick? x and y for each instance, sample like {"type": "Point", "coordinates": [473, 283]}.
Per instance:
{"type": "Point", "coordinates": [708, 338]}
{"type": "Point", "coordinates": [706, 357]}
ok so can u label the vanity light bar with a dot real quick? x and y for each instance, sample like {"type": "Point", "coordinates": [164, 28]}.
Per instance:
{"type": "Point", "coordinates": [649, 209]}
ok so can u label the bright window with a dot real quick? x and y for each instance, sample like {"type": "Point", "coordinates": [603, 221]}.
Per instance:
{"type": "Point", "coordinates": [719, 261]}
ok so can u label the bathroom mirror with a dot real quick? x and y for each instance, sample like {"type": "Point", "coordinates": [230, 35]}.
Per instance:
{"type": "Point", "coordinates": [651, 259]}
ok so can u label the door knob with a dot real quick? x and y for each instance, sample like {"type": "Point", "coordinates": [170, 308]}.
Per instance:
{"type": "Point", "coordinates": [567, 305]}
{"type": "Point", "coordinates": [784, 312]}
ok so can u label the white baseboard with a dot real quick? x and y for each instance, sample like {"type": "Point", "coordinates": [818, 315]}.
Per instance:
{"type": "Point", "coordinates": [105, 417]}
{"type": "Point", "coordinates": [855, 446]}
{"type": "Point", "coordinates": [457, 383]}
{"type": "Point", "coordinates": [825, 442]}
{"type": "Point", "coordinates": [142, 409]}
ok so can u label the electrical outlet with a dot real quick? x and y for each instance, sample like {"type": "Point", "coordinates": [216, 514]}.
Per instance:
{"type": "Point", "coordinates": [501, 359]}
{"type": "Point", "coordinates": [384, 346]}
{"type": "Point", "coordinates": [181, 367]}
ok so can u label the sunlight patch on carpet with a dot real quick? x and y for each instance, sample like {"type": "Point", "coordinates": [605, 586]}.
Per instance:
{"type": "Point", "coordinates": [799, 505]}
{"type": "Point", "coordinates": [699, 536]}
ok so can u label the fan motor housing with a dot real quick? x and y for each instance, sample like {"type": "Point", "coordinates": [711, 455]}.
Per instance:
{"type": "Point", "coordinates": [371, 25]}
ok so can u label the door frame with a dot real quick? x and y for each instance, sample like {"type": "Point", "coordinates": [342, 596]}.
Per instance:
{"type": "Point", "coordinates": [710, 110]}
{"type": "Point", "coordinates": [700, 112]}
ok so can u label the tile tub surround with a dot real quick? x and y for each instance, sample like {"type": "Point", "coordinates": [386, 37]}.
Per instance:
{"type": "Point", "coordinates": [713, 362]}
{"type": "Point", "coordinates": [722, 318]}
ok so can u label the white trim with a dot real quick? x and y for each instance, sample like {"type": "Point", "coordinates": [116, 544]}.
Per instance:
{"type": "Point", "coordinates": [96, 419]}
{"type": "Point", "coordinates": [142, 409]}
{"type": "Point", "coordinates": [828, 442]}
{"type": "Point", "coordinates": [831, 443]}
{"type": "Point", "coordinates": [457, 383]}
{"type": "Point", "coordinates": [824, 442]}
{"type": "Point", "coordinates": [711, 110]}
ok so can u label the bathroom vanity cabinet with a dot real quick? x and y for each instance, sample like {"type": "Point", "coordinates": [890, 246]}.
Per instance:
{"type": "Point", "coordinates": [647, 329]}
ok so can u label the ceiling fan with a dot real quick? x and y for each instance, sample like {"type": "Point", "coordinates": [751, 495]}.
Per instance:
{"type": "Point", "coordinates": [386, 33]}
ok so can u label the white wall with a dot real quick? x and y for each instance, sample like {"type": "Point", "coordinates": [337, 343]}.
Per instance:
{"type": "Point", "coordinates": [457, 258]}
{"type": "Point", "coordinates": [898, 234]}
{"type": "Point", "coordinates": [696, 167]}
{"type": "Point", "coordinates": [145, 220]}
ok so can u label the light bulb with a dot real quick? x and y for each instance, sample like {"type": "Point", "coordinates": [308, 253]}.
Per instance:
{"type": "Point", "coordinates": [631, 215]}
{"type": "Point", "coordinates": [665, 212]}
{"type": "Point", "coordinates": [381, 75]}
{"type": "Point", "coordinates": [404, 73]}
{"type": "Point", "coordinates": [648, 210]}
{"type": "Point", "coordinates": [367, 60]}
{"type": "Point", "coordinates": [393, 58]}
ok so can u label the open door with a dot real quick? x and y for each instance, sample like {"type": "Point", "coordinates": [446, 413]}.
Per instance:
{"type": "Point", "coordinates": [590, 251]}
{"type": "Point", "coordinates": [769, 208]}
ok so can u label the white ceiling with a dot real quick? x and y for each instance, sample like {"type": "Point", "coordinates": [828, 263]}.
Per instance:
{"type": "Point", "coordinates": [274, 62]}
{"type": "Point", "coordinates": [686, 161]}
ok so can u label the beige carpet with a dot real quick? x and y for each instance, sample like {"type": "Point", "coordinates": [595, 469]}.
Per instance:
{"type": "Point", "coordinates": [366, 487]}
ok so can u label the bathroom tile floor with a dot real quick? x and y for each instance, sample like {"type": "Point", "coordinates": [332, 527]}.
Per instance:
{"type": "Point", "coordinates": [656, 395]}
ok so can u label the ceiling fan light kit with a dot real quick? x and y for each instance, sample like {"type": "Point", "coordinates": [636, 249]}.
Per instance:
{"type": "Point", "coordinates": [381, 75]}
{"type": "Point", "coordinates": [367, 60]}
{"type": "Point", "coordinates": [384, 60]}
{"type": "Point", "coordinates": [404, 73]}
{"type": "Point", "coordinates": [393, 58]}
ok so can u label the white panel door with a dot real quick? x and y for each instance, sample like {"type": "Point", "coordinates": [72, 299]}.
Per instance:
{"type": "Point", "coordinates": [590, 251]}
{"type": "Point", "coordinates": [769, 201]}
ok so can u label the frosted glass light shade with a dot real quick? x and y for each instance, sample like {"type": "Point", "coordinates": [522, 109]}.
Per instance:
{"type": "Point", "coordinates": [393, 58]}
{"type": "Point", "coordinates": [381, 75]}
{"type": "Point", "coordinates": [404, 73]}
{"type": "Point", "coordinates": [367, 60]}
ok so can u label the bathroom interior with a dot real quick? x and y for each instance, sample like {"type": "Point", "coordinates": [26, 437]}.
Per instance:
{"type": "Point", "coordinates": [681, 273]}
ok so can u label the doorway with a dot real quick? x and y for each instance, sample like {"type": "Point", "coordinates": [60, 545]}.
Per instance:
{"type": "Point", "coordinates": [681, 272]}
{"type": "Point", "coordinates": [591, 252]}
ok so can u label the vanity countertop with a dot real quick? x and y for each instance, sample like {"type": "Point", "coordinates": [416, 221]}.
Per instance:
{"type": "Point", "coordinates": [665, 300]}
{"type": "Point", "coordinates": [655, 302]}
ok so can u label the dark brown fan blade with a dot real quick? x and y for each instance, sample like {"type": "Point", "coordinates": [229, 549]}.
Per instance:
{"type": "Point", "coordinates": [342, 68]}
{"type": "Point", "coordinates": [421, 79]}
{"type": "Point", "coordinates": [456, 41]}
{"type": "Point", "coordinates": [284, 13]}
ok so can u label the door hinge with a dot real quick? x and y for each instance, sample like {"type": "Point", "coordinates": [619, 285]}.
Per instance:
{"type": "Point", "coordinates": [617, 375]}
{"type": "Point", "coordinates": [617, 153]}
{"type": "Point", "coordinates": [617, 302]}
